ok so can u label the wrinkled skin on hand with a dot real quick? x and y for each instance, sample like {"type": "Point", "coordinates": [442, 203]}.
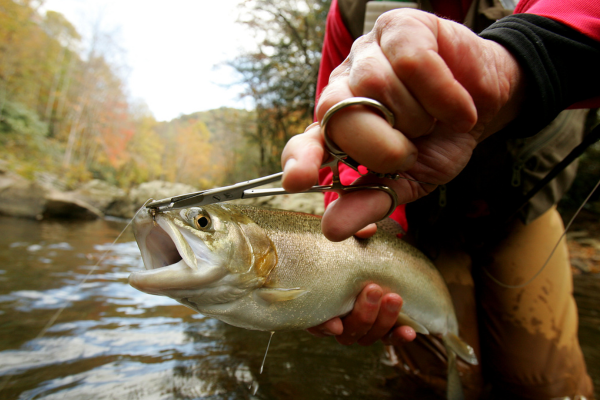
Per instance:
{"type": "Point", "coordinates": [448, 89]}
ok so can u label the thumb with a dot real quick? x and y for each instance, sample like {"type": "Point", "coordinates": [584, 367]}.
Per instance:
{"type": "Point", "coordinates": [352, 212]}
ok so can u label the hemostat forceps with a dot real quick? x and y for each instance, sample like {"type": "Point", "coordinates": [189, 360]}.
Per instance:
{"type": "Point", "coordinates": [246, 190]}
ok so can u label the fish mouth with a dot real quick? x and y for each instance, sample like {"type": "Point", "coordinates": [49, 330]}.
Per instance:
{"type": "Point", "coordinates": [164, 252]}
{"type": "Point", "coordinates": [163, 244]}
{"type": "Point", "coordinates": [176, 261]}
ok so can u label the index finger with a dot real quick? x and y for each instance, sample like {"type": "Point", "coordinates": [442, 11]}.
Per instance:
{"type": "Point", "coordinates": [302, 158]}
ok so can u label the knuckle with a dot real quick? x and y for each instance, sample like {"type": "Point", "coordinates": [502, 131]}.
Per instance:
{"type": "Point", "coordinates": [386, 20]}
{"type": "Point", "coordinates": [367, 76]}
{"type": "Point", "coordinates": [405, 18]}
{"type": "Point", "coordinates": [366, 319]}
{"type": "Point", "coordinates": [359, 44]}
{"type": "Point", "coordinates": [330, 97]}
{"type": "Point", "coordinates": [340, 71]}
{"type": "Point", "coordinates": [389, 19]}
{"type": "Point", "coordinates": [407, 64]}
{"type": "Point", "coordinates": [391, 159]}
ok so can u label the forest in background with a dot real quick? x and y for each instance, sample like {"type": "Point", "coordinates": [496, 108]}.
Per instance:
{"type": "Point", "coordinates": [65, 113]}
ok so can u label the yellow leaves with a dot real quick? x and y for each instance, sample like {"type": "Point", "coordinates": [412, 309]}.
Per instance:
{"type": "Point", "coordinates": [90, 128]}
{"type": "Point", "coordinates": [146, 152]}
{"type": "Point", "coordinates": [192, 153]}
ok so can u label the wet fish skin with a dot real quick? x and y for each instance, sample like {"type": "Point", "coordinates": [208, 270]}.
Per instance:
{"type": "Point", "coordinates": [273, 270]}
{"type": "Point", "coordinates": [325, 276]}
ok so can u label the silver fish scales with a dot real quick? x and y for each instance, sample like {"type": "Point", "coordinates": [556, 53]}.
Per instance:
{"type": "Point", "coordinates": [273, 270]}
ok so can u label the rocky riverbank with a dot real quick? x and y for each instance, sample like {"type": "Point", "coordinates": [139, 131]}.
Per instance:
{"type": "Point", "coordinates": [41, 199]}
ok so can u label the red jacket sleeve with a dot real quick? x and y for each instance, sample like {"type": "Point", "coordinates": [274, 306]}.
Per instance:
{"type": "Point", "coordinates": [581, 15]}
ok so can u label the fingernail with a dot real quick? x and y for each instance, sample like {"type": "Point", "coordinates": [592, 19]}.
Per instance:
{"type": "Point", "coordinates": [374, 296]}
{"type": "Point", "coordinates": [393, 306]}
{"type": "Point", "coordinates": [289, 164]}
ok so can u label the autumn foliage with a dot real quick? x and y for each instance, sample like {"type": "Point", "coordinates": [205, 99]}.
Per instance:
{"type": "Point", "coordinates": [65, 111]}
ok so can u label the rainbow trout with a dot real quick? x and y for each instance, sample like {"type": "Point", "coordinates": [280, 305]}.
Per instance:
{"type": "Point", "coordinates": [273, 270]}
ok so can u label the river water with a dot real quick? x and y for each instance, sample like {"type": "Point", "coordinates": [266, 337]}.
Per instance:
{"type": "Point", "coordinates": [114, 342]}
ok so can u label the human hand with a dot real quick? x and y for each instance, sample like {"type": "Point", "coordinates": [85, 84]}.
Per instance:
{"type": "Point", "coordinates": [372, 318]}
{"type": "Point", "coordinates": [448, 89]}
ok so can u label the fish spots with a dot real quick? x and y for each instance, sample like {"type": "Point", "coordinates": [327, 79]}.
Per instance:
{"type": "Point", "coordinates": [520, 296]}
{"type": "Point", "coordinates": [518, 300]}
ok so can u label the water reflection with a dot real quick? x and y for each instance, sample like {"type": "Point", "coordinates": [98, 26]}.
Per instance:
{"type": "Point", "coordinates": [112, 341]}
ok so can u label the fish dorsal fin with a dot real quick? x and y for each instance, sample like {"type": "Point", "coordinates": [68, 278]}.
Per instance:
{"type": "Point", "coordinates": [461, 348]}
{"type": "Point", "coordinates": [404, 319]}
{"type": "Point", "coordinates": [274, 295]}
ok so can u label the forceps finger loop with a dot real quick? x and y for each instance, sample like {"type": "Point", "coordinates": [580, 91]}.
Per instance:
{"type": "Point", "coordinates": [353, 101]}
{"type": "Point", "coordinates": [335, 151]}
{"type": "Point", "coordinates": [340, 156]}
{"type": "Point", "coordinates": [382, 188]}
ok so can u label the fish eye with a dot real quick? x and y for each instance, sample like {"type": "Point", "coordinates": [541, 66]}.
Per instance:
{"type": "Point", "coordinates": [202, 222]}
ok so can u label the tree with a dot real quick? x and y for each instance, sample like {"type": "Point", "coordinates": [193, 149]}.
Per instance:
{"type": "Point", "coordinates": [281, 74]}
{"type": "Point", "coordinates": [80, 97]}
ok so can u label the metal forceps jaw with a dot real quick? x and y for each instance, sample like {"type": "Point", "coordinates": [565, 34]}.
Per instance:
{"type": "Point", "coordinates": [217, 195]}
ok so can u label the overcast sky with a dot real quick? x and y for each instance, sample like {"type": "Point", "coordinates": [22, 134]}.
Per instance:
{"type": "Point", "coordinates": [173, 48]}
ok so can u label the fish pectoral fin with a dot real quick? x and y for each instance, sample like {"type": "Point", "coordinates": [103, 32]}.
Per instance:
{"type": "Point", "coordinates": [461, 348]}
{"type": "Point", "coordinates": [274, 295]}
{"type": "Point", "coordinates": [404, 319]}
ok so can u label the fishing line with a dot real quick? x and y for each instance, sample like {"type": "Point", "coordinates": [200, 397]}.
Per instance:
{"type": "Point", "coordinates": [266, 351]}
{"type": "Point", "coordinates": [77, 287]}
{"type": "Point", "coordinates": [551, 253]}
